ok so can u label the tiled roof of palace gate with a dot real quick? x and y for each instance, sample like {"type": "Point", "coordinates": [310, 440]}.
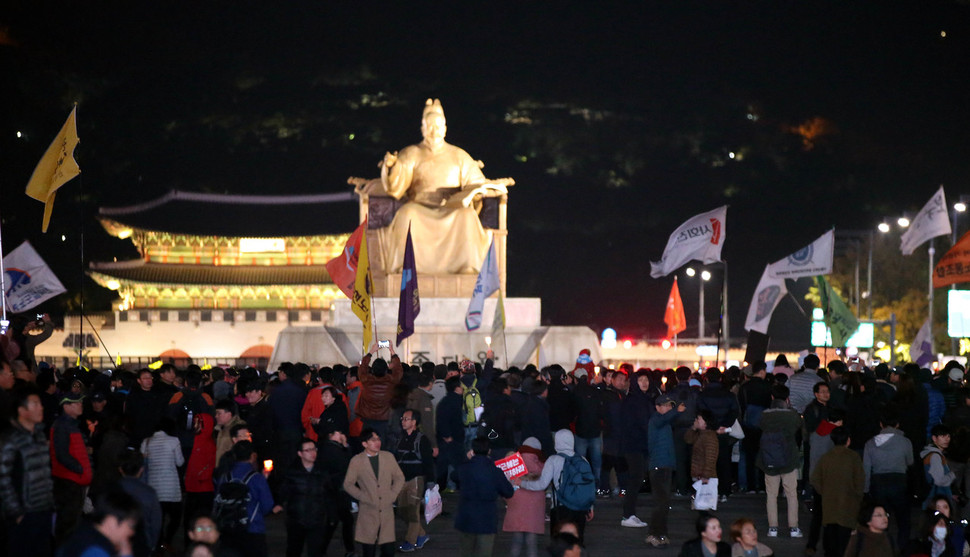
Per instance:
{"type": "Point", "coordinates": [168, 273]}
{"type": "Point", "coordinates": [205, 214]}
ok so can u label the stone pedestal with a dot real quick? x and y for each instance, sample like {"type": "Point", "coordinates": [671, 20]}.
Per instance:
{"type": "Point", "coordinates": [440, 335]}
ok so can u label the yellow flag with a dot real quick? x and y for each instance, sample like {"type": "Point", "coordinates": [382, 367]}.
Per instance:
{"type": "Point", "coordinates": [55, 168]}
{"type": "Point", "coordinates": [118, 360]}
{"type": "Point", "coordinates": [205, 364]}
{"type": "Point", "coordinates": [361, 304]}
{"type": "Point", "coordinates": [155, 365]}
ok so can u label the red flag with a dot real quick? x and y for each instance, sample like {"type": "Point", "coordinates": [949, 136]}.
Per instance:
{"type": "Point", "coordinates": [954, 266]}
{"type": "Point", "coordinates": [343, 268]}
{"type": "Point", "coordinates": [674, 316]}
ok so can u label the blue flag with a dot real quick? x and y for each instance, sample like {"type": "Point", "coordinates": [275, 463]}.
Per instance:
{"type": "Point", "coordinates": [410, 304]}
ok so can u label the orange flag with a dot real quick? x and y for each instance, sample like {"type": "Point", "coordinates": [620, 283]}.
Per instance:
{"type": "Point", "coordinates": [343, 268]}
{"type": "Point", "coordinates": [954, 266]}
{"type": "Point", "coordinates": [674, 316]}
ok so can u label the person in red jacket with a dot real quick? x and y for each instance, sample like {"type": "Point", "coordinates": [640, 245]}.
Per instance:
{"type": "Point", "coordinates": [199, 488]}
{"type": "Point", "coordinates": [70, 466]}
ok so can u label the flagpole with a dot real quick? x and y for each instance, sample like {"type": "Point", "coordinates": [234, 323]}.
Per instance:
{"type": "Point", "coordinates": [932, 252]}
{"type": "Point", "coordinates": [676, 360]}
{"type": "Point", "coordinates": [81, 343]}
{"type": "Point", "coordinates": [3, 286]}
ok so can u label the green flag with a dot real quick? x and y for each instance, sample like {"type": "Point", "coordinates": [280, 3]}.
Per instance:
{"type": "Point", "coordinates": [838, 318]}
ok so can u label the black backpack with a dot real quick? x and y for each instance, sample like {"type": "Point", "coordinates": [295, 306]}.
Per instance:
{"type": "Point", "coordinates": [775, 452]}
{"type": "Point", "coordinates": [191, 405]}
{"type": "Point", "coordinates": [230, 508]}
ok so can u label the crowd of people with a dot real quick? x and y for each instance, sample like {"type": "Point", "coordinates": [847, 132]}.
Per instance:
{"type": "Point", "coordinates": [191, 461]}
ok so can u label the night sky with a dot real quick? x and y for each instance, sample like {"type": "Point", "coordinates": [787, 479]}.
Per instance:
{"type": "Point", "coordinates": [616, 120]}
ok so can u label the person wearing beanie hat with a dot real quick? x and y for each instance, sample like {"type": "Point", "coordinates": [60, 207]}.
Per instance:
{"type": "Point", "coordinates": [587, 398]}
{"type": "Point", "coordinates": [471, 380]}
{"type": "Point", "coordinates": [585, 362]}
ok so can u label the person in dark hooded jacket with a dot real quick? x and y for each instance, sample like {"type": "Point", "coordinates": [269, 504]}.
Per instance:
{"type": "Point", "coordinates": [724, 406]}
{"type": "Point", "coordinates": [613, 396]}
{"type": "Point", "coordinates": [590, 413]}
{"type": "Point", "coordinates": [638, 407]}
{"type": "Point", "coordinates": [562, 406]}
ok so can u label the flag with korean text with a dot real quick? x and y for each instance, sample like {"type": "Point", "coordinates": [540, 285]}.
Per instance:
{"type": "Point", "coordinates": [767, 295]}
{"type": "Point", "coordinates": [811, 261]}
{"type": "Point", "coordinates": [27, 279]}
{"type": "Point", "coordinates": [360, 303]}
{"type": "Point", "coordinates": [954, 266]}
{"type": "Point", "coordinates": [674, 315]}
{"type": "Point", "coordinates": [56, 168]}
{"type": "Point", "coordinates": [837, 316]}
{"type": "Point", "coordinates": [931, 221]}
{"type": "Point", "coordinates": [701, 237]}
{"type": "Point", "coordinates": [343, 268]}
{"type": "Point", "coordinates": [410, 303]}
{"type": "Point", "coordinates": [487, 283]}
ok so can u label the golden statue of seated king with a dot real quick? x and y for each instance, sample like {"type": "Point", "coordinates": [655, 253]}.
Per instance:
{"type": "Point", "coordinates": [441, 185]}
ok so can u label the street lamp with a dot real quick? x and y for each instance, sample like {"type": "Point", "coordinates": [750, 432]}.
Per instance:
{"type": "Point", "coordinates": [705, 276]}
{"type": "Point", "coordinates": [959, 207]}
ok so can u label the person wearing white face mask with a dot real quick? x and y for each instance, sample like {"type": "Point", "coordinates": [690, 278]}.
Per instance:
{"type": "Point", "coordinates": [934, 534]}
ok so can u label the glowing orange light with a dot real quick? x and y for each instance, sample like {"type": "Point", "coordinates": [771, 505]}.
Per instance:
{"type": "Point", "coordinates": [268, 465]}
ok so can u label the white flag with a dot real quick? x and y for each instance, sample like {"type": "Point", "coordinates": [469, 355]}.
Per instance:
{"type": "Point", "coordinates": [921, 351]}
{"type": "Point", "coordinates": [931, 221]}
{"type": "Point", "coordinates": [701, 238]}
{"type": "Point", "coordinates": [27, 279]}
{"type": "Point", "coordinates": [766, 297]}
{"type": "Point", "coordinates": [810, 261]}
{"type": "Point", "coordinates": [487, 283]}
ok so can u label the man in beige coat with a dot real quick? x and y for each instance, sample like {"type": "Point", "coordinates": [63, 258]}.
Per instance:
{"type": "Point", "coordinates": [375, 480]}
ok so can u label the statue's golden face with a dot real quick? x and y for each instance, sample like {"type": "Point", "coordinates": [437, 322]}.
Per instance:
{"type": "Point", "coordinates": [433, 129]}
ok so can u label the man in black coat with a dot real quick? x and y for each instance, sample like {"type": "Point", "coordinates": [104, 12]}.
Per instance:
{"type": "Point", "coordinates": [143, 408]}
{"type": "Point", "coordinates": [562, 406]}
{"type": "Point", "coordinates": [450, 431]}
{"type": "Point", "coordinates": [590, 413]}
{"type": "Point", "coordinates": [500, 418]}
{"type": "Point", "coordinates": [535, 418]}
{"type": "Point", "coordinates": [754, 397]}
{"type": "Point", "coordinates": [334, 455]}
{"type": "Point", "coordinates": [303, 493]}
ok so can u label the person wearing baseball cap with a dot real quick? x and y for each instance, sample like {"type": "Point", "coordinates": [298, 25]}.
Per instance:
{"type": "Point", "coordinates": [70, 466]}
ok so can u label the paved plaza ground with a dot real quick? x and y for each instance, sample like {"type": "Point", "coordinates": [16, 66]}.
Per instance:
{"type": "Point", "coordinates": [604, 535]}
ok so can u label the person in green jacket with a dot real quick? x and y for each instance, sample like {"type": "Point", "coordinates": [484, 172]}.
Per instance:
{"type": "Point", "coordinates": [778, 458]}
{"type": "Point", "coordinates": [840, 478]}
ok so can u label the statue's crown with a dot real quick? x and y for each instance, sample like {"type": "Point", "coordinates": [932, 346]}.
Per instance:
{"type": "Point", "coordinates": [432, 107]}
